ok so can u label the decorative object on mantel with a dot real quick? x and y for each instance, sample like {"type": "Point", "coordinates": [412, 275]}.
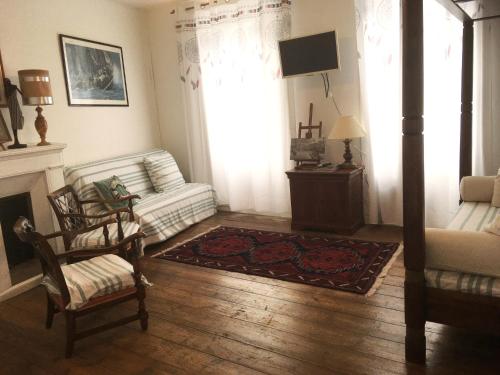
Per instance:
{"type": "Point", "coordinates": [307, 152]}
{"type": "Point", "coordinates": [16, 116]}
{"type": "Point", "coordinates": [4, 133]}
{"type": "Point", "coordinates": [36, 90]}
{"type": "Point", "coordinates": [343, 264]}
{"type": "Point", "coordinates": [94, 72]}
{"type": "Point", "coordinates": [3, 95]}
{"type": "Point", "coordinates": [346, 128]}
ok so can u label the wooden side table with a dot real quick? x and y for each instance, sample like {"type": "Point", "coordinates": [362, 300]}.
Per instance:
{"type": "Point", "coordinates": [327, 199]}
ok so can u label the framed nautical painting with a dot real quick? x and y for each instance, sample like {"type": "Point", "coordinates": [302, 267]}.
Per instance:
{"type": "Point", "coordinates": [94, 72]}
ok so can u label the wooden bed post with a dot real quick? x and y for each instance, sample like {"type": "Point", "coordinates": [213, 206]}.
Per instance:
{"type": "Point", "coordinates": [467, 92]}
{"type": "Point", "coordinates": [413, 179]}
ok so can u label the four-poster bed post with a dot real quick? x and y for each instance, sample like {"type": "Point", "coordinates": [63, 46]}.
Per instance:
{"type": "Point", "coordinates": [467, 92]}
{"type": "Point", "coordinates": [413, 178]}
{"type": "Point", "coordinates": [422, 304]}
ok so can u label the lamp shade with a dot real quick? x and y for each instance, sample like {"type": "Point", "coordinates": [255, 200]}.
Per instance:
{"type": "Point", "coordinates": [35, 86]}
{"type": "Point", "coordinates": [347, 127]}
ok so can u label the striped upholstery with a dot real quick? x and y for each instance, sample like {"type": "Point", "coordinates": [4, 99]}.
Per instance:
{"type": "Point", "coordinates": [463, 282]}
{"type": "Point", "coordinates": [95, 238]}
{"type": "Point", "coordinates": [474, 216]}
{"type": "Point", "coordinates": [95, 277]}
{"type": "Point", "coordinates": [163, 172]}
{"type": "Point", "coordinates": [163, 215]}
{"type": "Point", "coordinates": [160, 215]}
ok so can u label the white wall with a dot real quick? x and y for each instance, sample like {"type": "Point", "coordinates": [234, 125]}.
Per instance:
{"type": "Point", "coordinates": [29, 40]}
{"type": "Point", "coordinates": [168, 88]}
{"type": "Point", "coordinates": [316, 16]}
{"type": "Point", "coordinates": [309, 17]}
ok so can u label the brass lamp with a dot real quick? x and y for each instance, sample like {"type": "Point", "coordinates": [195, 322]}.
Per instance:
{"type": "Point", "coordinates": [35, 86]}
{"type": "Point", "coordinates": [346, 128]}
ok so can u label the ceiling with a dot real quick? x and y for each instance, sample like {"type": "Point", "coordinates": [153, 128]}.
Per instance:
{"type": "Point", "coordinates": [479, 9]}
{"type": "Point", "coordinates": [143, 3]}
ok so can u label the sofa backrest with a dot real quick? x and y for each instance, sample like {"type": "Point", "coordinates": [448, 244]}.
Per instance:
{"type": "Point", "coordinates": [477, 188]}
{"type": "Point", "coordinates": [129, 168]}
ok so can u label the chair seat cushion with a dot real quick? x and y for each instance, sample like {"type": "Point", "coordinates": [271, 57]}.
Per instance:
{"type": "Point", "coordinates": [96, 238]}
{"type": "Point", "coordinates": [95, 277]}
{"type": "Point", "coordinates": [463, 282]}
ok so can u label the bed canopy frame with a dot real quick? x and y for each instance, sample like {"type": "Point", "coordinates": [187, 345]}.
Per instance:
{"type": "Point", "coordinates": [422, 304]}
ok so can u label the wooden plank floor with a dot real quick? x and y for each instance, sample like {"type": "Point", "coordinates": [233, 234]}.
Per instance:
{"type": "Point", "coordinates": [211, 321]}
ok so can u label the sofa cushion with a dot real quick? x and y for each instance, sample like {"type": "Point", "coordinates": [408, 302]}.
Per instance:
{"type": "Point", "coordinates": [129, 168]}
{"type": "Point", "coordinates": [112, 188]}
{"type": "Point", "coordinates": [495, 201]}
{"type": "Point", "coordinates": [163, 172]}
{"type": "Point", "coordinates": [477, 188]}
{"type": "Point", "coordinates": [463, 251]}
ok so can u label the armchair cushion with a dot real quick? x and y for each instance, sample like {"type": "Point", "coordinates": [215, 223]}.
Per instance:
{"type": "Point", "coordinates": [463, 251]}
{"type": "Point", "coordinates": [112, 188]}
{"type": "Point", "coordinates": [163, 172]}
{"type": "Point", "coordinates": [95, 238]}
{"type": "Point", "coordinates": [91, 278]}
{"type": "Point", "coordinates": [494, 227]}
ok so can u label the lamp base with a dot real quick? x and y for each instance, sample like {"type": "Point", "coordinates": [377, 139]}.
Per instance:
{"type": "Point", "coordinates": [41, 127]}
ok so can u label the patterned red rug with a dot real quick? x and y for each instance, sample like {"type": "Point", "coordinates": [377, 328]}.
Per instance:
{"type": "Point", "coordinates": [343, 264]}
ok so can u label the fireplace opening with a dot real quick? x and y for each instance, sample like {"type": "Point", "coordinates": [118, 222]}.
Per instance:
{"type": "Point", "coordinates": [20, 256]}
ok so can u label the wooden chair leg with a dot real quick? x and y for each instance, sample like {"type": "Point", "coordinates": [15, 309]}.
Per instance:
{"type": "Point", "coordinates": [143, 314]}
{"type": "Point", "coordinates": [70, 333]}
{"type": "Point", "coordinates": [51, 310]}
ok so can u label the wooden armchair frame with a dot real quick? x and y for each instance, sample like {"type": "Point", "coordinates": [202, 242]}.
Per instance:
{"type": "Point", "coordinates": [72, 218]}
{"type": "Point", "coordinates": [57, 302]}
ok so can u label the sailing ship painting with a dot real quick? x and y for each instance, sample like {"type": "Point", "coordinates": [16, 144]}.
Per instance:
{"type": "Point", "coordinates": [94, 73]}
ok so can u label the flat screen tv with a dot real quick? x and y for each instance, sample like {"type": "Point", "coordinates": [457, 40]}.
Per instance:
{"type": "Point", "coordinates": [310, 54]}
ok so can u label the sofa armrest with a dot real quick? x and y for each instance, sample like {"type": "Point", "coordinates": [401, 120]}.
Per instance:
{"type": "Point", "coordinates": [462, 251]}
{"type": "Point", "coordinates": [477, 188]}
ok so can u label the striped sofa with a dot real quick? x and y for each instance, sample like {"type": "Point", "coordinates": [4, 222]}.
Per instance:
{"type": "Point", "coordinates": [464, 257]}
{"type": "Point", "coordinates": [160, 215]}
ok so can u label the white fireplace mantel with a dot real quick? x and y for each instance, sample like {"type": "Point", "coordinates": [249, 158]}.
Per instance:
{"type": "Point", "coordinates": [37, 170]}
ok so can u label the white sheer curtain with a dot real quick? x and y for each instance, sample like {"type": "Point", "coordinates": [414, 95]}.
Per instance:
{"type": "Point", "coordinates": [237, 101]}
{"type": "Point", "coordinates": [379, 44]}
{"type": "Point", "coordinates": [486, 114]}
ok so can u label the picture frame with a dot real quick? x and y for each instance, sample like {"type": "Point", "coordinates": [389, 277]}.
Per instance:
{"type": "Point", "coordinates": [94, 73]}
{"type": "Point", "coordinates": [307, 149]}
{"type": "Point", "coordinates": [3, 95]}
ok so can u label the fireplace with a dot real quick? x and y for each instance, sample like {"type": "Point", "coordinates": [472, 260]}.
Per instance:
{"type": "Point", "coordinates": [20, 256]}
{"type": "Point", "coordinates": [26, 177]}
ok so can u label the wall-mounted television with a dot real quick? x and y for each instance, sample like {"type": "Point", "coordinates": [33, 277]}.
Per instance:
{"type": "Point", "coordinates": [309, 54]}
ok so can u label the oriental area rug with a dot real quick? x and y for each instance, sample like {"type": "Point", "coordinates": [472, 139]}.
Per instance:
{"type": "Point", "coordinates": [349, 265]}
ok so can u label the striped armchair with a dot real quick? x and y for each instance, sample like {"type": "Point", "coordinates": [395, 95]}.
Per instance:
{"type": "Point", "coordinates": [160, 215]}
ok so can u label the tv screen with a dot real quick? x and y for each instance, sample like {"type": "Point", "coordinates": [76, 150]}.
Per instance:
{"type": "Point", "coordinates": [309, 54]}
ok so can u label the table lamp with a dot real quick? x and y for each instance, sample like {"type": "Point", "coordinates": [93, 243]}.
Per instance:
{"type": "Point", "coordinates": [347, 128]}
{"type": "Point", "coordinates": [35, 86]}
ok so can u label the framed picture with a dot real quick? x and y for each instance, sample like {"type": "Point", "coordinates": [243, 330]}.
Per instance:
{"type": "Point", "coordinates": [94, 72]}
{"type": "Point", "coordinates": [307, 149]}
{"type": "Point", "coordinates": [3, 96]}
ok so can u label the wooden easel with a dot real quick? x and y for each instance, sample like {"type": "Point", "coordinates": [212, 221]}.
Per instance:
{"type": "Point", "coordinates": [310, 127]}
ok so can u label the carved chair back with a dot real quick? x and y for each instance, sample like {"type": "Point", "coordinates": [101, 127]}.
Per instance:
{"type": "Point", "coordinates": [50, 265]}
{"type": "Point", "coordinates": [65, 201]}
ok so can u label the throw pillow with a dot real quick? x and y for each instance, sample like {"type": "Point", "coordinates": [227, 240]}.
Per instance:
{"type": "Point", "coordinates": [496, 191]}
{"type": "Point", "coordinates": [494, 226]}
{"type": "Point", "coordinates": [163, 172]}
{"type": "Point", "coordinates": [112, 188]}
